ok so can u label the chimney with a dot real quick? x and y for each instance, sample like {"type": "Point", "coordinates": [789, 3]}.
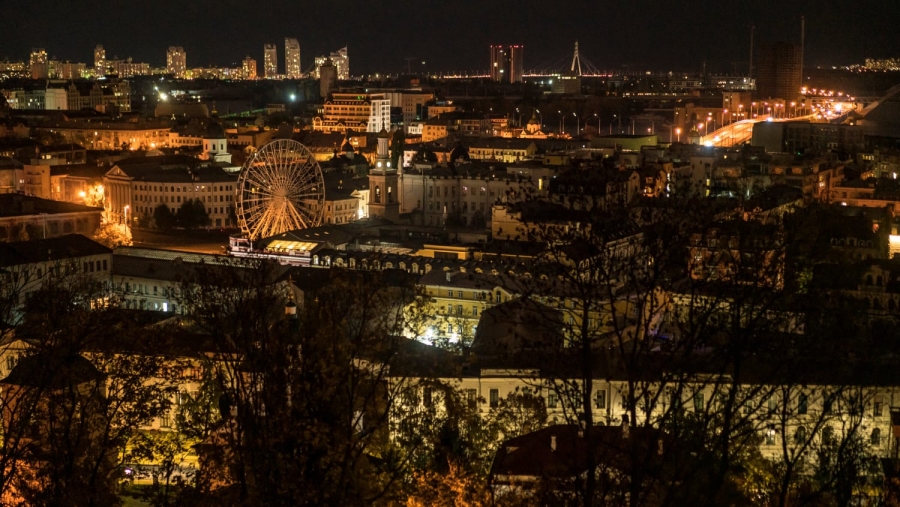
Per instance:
{"type": "Point", "coordinates": [553, 443]}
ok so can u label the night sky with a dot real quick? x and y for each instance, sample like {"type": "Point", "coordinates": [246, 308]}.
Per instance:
{"type": "Point", "coordinates": [453, 34]}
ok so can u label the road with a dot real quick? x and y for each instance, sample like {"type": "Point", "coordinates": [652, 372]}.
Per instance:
{"type": "Point", "coordinates": [741, 131]}
{"type": "Point", "coordinates": [201, 241]}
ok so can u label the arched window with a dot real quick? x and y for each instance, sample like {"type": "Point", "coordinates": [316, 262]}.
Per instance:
{"type": "Point", "coordinates": [352, 263]}
{"type": "Point", "coordinates": [875, 438]}
{"type": "Point", "coordinates": [827, 435]}
{"type": "Point", "coordinates": [415, 268]}
{"type": "Point", "coordinates": [800, 435]}
{"type": "Point", "coordinates": [315, 260]}
{"type": "Point", "coordinates": [403, 266]}
{"type": "Point", "coordinates": [377, 198]}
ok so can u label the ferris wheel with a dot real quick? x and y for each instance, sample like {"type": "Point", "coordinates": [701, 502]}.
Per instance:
{"type": "Point", "coordinates": [280, 189]}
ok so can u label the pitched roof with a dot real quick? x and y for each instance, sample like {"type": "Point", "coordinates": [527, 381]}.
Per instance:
{"type": "Point", "coordinates": [51, 249]}
{"type": "Point", "coordinates": [13, 205]}
{"type": "Point", "coordinates": [52, 371]}
{"type": "Point", "coordinates": [534, 455]}
{"type": "Point", "coordinates": [518, 325]}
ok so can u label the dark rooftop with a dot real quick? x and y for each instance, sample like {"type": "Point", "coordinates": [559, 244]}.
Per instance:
{"type": "Point", "coordinates": [50, 249]}
{"type": "Point", "coordinates": [12, 205]}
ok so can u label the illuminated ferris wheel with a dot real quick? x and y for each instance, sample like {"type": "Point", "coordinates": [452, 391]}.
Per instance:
{"type": "Point", "coordinates": [280, 189]}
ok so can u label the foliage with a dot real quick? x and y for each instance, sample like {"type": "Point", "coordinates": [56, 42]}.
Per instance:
{"type": "Point", "coordinates": [192, 214]}
{"type": "Point", "coordinates": [308, 400]}
{"type": "Point", "coordinates": [454, 488]}
{"type": "Point", "coordinates": [164, 218]}
{"type": "Point", "coordinates": [77, 397]}
{"type": "Point", "coordinates": [113, 235]}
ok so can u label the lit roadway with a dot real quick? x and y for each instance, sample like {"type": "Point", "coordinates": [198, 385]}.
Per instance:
{"type": "Point", "coordinates": [740, 131]}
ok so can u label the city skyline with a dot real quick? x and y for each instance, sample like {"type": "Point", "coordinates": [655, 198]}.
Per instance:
{"type": "Point", "coordinates": [641, 35]}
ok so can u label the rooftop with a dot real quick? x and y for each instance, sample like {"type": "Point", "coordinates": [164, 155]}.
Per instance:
{"type": "Point", "coordinates": [13, 205]}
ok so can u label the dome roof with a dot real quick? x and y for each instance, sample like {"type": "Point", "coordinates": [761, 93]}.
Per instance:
{"type": "Point", "coordinates": [214, 130]}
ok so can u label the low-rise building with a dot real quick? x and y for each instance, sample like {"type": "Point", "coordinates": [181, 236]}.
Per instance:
{"type": "Point", "coordinates": [25, 217]}
{"type": "Point", "coordinates": [136, 186]}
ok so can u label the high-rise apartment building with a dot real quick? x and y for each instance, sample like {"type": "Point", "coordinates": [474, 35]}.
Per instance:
{"type": "Point", "coordinates": [778, 68]}
{"type": "Point", "coordinates": [38, 55]}
{"type": "Point", "coordinates": [40, 68]}
{"type": "Point", "coordinates": [507, 63]}
{"type": "Point", "coordinates": [270, 60]}
{"type": "Point", "coordinates": [249, 68]}
{"type": "Point", "coordinates": [176, 61]}
{"type": "Point", "coordinates": [340, 60]}
{"type": "Point", "coordinates": [292, 58]}
{"type": "Point", "coordinates": [99, 60]}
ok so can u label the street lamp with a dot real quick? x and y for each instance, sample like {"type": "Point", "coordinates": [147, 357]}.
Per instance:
{"type": "Point", "coordinates": [678, 133]}
{"type": "Point", "coordinates": [127, 207]}
{"type": "Point", "coordinates": [577, 124]}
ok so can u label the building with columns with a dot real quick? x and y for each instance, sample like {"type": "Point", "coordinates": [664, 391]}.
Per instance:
{"type": "Point", "coordinates": [136, 186]}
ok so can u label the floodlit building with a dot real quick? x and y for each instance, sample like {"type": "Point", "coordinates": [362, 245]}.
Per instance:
{"type": "Point", "coordinates": [292, 59]}
{"type": "Point", "coordinates": [137, 185]}
{"type": "Point", "coordinates": [99, 61]}
{"type": "Point", "coordinates": [23, 216]}
{"type": "Point", "coordinates": [40, 68]}
{"type": "Point", "coordinates": [383, 183]}
{"type": "Point", "coordinates": [368, 112]}
{"type": "Point", "coordinates": [340, 60]}
{"type": "Point", "coordinates": [249, 68]}
{"type": "Point", "coordinates": [176, 61]}
{"type": "Point", "coordinates": [270, 60]}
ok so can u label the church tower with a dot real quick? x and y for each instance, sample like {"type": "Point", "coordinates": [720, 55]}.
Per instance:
{"type": "Point", "coordinates": [383, 183]}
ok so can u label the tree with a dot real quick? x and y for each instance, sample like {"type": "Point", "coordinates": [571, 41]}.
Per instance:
{"type": "Point", "coordinates": [201, 217]}
{"type": "Point", "coordinates": [308, 399]}
{"type": "Point", "coordinates": [84, 383]}
{"type": "Point", "coordinates": [164, 218]}
{"type": "Point", "coordinates": [113, 235]}
{"type": "Point", "coordinates": [186, 215]}
{"type": "Point", "coordinates": [653, 338]}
